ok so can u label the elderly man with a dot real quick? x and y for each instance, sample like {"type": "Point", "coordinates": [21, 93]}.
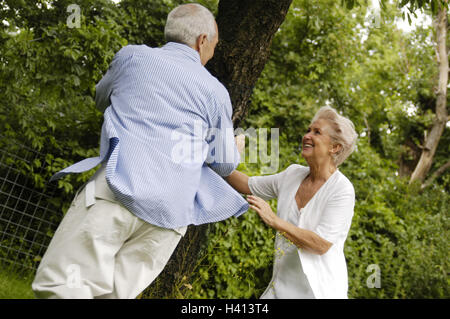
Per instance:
{"type": "Point", "coordinates": [125, 223]}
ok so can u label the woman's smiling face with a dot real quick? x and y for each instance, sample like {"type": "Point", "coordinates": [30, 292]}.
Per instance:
{"type": "Point", "coordinates": [317, 144]}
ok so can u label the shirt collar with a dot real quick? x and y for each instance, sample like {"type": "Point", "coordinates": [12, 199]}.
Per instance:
{"type": "Point", "coordinates": [184, 49]}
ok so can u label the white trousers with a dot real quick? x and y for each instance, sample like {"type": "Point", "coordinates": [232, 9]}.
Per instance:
{"type": "Point", "coordinates": [102, 250]}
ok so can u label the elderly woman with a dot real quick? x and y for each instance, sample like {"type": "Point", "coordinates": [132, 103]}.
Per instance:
{"type": "Point", "coordinates": [314, 212]}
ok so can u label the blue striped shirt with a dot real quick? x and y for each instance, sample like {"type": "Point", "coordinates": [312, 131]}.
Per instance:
{"type": "Point", "coordinates": [167, 137]}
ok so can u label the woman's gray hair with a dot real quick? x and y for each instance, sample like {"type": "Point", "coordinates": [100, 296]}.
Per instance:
{"type": "Point", "coordinates": [187, 22]}
{"type": "Point", "coordinates": [342, 132]}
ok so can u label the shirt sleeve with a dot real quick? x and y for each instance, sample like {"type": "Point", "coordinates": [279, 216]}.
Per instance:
{"type": "Point", "coordinates": [104, 87]}
{"type": "Point", "coordinates": [336, 220]}
{"type": "Point", "coordinates": [223, 156]}
{"type": "Point", "coordinates": [266, 187]}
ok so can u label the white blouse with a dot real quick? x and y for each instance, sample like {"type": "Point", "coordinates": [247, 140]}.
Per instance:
{"type": "Point", "coordinates": [297, 273]}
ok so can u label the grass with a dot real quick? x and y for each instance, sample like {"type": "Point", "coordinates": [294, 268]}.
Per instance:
{"type": "Point", "coordinates": [14, 285]}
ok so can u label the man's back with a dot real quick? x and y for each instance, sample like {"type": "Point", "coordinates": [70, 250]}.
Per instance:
{"type": "Point", "coordinates": [162, 100]}
{"type": "Point", "coordinates": [159, 84]}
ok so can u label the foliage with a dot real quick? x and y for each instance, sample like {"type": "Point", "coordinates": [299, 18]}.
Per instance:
{"type": "Point", "coordinates": [50, 105]}
{"type": "Point", "coordinates": [324, 53]}
{"type": "Point", "coordinates": [404, 234]}
{"type": "Point", "coordinates": [14, 285]}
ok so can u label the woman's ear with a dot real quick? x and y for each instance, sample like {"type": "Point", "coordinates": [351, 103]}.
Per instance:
{"type": "Point", "coordinates": [336, 149]}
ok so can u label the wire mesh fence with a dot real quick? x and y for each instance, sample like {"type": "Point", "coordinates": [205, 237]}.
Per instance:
{"type": "Point", "coordinates": [28, 214]}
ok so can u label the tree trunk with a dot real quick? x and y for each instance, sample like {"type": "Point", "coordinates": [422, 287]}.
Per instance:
{"type": "Point", "coordinates": [246, 30]}
{"type": "Point", "coordinates": [434, 135]}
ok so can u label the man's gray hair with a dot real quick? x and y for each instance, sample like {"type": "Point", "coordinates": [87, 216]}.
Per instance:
{"type": "Point", "coordinates": [187, 22]}
{"type": "Point", "coordinates": [342, 132]}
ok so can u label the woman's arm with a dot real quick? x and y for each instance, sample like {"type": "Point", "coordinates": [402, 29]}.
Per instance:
{"type": "Point", "coordinates": [239, 181]}
{"type": "Point", "coordinates": [302, 238]}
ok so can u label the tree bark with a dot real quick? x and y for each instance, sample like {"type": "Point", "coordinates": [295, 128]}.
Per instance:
{"type": "Point", "coordinates": [434, 135]}
{"type": "Point", "coordinates": [246, 30]}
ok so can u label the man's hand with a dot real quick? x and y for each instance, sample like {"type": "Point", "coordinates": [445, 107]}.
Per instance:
{"type": "Point", "coordinates": [240, 142]}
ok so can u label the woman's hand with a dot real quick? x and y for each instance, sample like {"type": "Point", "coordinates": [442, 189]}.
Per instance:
{"type": "Point", "coordinates": [302, 238]}
{"type": "Point", "coordinates": [240, 142]}
{"type": "Point", "coordinates": [263, 209]}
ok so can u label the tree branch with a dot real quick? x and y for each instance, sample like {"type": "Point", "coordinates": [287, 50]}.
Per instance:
{"type": "Point", "coordinates": [436, 174]}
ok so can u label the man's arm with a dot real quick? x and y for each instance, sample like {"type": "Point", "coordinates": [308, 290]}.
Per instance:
{"type": "Point", "coordinates": [104, 88]}
{"type": "Point", "coordinates": [103, 91]}
{"type": "Point", "coordinates": [223, 155]}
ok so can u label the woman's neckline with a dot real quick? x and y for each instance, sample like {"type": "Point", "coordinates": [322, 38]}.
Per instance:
{"type": "Point", "coordinates": [315, 194]}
